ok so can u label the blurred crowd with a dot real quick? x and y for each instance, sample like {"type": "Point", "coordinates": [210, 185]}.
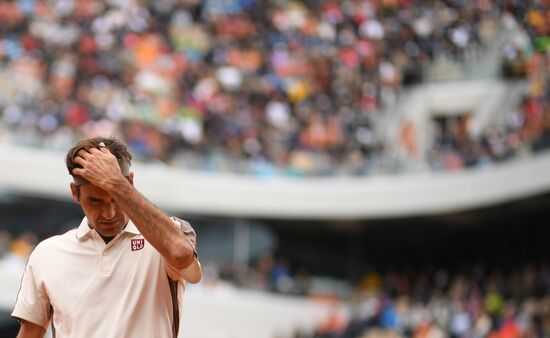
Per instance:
{"type": "Point", "coordinates": [523, 130]}
{"type": "Point", "coordinates": [471, 301]}
{"type": "Point", "coordinates": [475, 302]}
{"type": "Point", "coordinates": [255, 86]}
{"type": "Point", "coordinates": [15, 251]}
{"type": "Point", "coordinates": [266, 273]}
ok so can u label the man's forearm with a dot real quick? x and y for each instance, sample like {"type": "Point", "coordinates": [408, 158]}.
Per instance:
{"type": "Point", "coordinates": [30, 330]}
{"type": "Point", "coordinates": [100, 167]}
{"type": "Point", "coordinates": [154, 225]}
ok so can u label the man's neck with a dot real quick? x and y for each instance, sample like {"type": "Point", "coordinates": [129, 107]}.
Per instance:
{"type": "Point", "coordinates": [107, 239]}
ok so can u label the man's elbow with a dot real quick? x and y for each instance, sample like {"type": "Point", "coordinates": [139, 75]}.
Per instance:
{"type": "Point", "coordinates": [182, 256]}
{"type": "Point", "coordinates": [195, 275]}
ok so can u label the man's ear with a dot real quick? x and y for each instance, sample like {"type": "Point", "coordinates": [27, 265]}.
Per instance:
{"type": "Point", "coordinates": [75, 192]}
{"type": "Point", "coordinates": [131, 178]}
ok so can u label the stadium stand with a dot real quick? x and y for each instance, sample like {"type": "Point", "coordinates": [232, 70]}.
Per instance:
{"type": "Point", "coordinates": [265, 87]}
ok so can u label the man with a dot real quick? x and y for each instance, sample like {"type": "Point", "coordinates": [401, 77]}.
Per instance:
{"type": "Point", "coordinates": [121, 273]}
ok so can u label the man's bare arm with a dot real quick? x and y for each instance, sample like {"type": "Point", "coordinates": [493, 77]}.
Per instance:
{"type": "Point", "coordinates": [100, 168]}
{"type": "Point", "coordinates": [153, 224]}
{"type": "Point", "coordinates": [30, 330]}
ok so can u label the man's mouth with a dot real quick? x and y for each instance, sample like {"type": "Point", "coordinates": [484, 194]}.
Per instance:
{"type": "Point", "coordinates": [109, 223]}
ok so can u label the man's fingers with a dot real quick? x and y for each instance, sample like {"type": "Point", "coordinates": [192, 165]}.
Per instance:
{"type": "Point", "coordinates": [84, 153]}
{"type": "Point", "coordinates": [78, 172]}
{"type": "Point", "coordinates": [100, 148]}
{"type": "Point", "coordinates": [79, 160]}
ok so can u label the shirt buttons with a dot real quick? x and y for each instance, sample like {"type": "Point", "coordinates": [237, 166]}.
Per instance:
{"type": "Point", "coordinates": [105, 265]}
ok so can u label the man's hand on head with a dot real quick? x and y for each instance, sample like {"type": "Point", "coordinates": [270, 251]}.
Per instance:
{"type": "Point", "coordinates": [99, 166]}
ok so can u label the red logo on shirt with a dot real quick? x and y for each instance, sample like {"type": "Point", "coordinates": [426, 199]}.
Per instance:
{"type": "Point", "coordinates": [138, 244]}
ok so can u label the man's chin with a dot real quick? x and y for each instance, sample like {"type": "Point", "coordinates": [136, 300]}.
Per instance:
{"type": "Point", "coordinates": [107, 231]}
{"type": "Point", "coordinates": [108, 234]}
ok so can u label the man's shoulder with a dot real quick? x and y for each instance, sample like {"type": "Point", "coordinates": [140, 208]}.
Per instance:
{"type": "Point", "coordinates": [55, 241]}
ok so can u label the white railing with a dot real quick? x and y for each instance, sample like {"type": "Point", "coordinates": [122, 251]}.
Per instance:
{"type": "Point", "coordinates": [42, 173]}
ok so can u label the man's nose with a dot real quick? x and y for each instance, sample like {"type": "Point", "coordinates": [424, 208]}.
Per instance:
{"type": "Point", "coordinates": [109, 210]}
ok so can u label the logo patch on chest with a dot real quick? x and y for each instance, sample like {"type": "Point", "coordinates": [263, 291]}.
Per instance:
{"type": "Point", "coordinates": [138, 244]}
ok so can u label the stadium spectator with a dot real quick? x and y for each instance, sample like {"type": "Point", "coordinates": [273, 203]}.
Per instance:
{"type": "Point", "coordinates": [262, 87]}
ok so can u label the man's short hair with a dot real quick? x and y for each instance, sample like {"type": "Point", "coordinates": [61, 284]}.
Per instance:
{"type": "Point", "coordinates": [115, 146]}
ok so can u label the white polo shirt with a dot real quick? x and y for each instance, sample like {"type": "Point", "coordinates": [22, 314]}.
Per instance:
{"type": "Point", "coordinates": [90, 289]}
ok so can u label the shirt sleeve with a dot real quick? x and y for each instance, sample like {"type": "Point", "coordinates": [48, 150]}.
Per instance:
{"type": "Point", "coordinates": [33, 303]}
{"type": "Point", "coordinates": [193, 272]}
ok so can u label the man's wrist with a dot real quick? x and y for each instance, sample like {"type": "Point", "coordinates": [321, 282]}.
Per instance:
{"type": "Point", "coordinates": [117, 185]}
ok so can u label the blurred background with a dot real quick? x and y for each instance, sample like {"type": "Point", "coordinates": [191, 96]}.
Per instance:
{"type": "Point", "coordinates": [353, 168]}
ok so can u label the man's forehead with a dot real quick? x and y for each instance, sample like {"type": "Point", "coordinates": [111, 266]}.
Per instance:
{"type": "Point", "coordinates": [90, 190]}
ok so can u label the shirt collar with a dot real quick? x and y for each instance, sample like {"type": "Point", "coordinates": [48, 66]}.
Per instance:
{"type": "Point", "coordinates": [84, 229]}
{"type": "Point", "coordinates": [131, 228]}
